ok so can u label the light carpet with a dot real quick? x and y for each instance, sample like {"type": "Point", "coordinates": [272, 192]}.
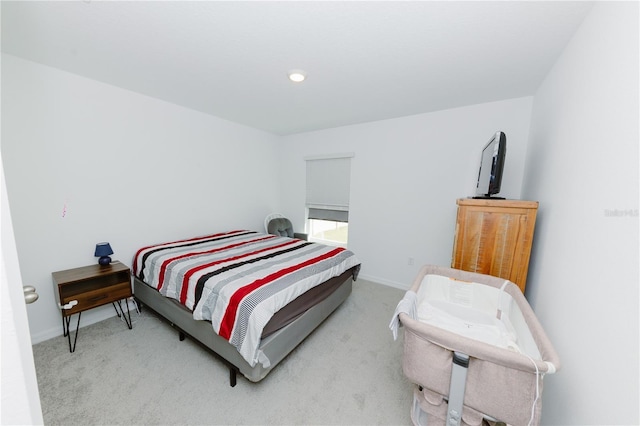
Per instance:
{"type": "Point", "coordinates": [348, 371]}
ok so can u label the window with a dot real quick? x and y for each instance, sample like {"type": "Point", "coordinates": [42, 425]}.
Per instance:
{"type": "Point", "coordinates": [328, 188]}
{"type": "Point", "coordinates": [330, 232]}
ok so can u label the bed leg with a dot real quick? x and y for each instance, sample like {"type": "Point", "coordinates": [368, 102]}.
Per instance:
{"type": "Point", "coordinates": [139, 303]}
{"type": "Point", "coordinates": [181, 335]}
{"type": "Point", "coordinates": [232, 377]}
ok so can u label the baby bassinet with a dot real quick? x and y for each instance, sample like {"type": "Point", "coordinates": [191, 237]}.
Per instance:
{"type": "Point", "coordinates": [474, 349]}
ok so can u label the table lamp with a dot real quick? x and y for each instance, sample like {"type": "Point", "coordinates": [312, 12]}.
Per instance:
{"type": "Point", "coordinates": [103, 250]}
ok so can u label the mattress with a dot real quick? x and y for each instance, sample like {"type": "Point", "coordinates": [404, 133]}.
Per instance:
{"type": "Point", "coordinates": [239, 280]}
{"type": "Point", "coordinates": [300, 305]}
{"type": "Point", "coordinates": [293, 310]}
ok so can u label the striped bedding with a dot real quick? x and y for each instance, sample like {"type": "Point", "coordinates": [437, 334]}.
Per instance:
{"type": "Point", "coordinates": [239, 279]}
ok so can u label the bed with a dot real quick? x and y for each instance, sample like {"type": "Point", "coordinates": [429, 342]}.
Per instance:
{"type": "Point", "coordinates": [473, 348]}
{"type": "Point", "coordinates": [250, 298]}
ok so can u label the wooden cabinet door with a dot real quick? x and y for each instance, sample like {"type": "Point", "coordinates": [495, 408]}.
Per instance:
{"type": "Point", "coordinates": [494, 237]}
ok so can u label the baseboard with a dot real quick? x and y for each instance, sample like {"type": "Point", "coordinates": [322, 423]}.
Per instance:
{"type": "Point", "coordinates": [388, 283]}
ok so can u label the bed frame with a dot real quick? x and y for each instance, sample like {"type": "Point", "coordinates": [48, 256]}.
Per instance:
{"type": "Point", "coordinates": [276, 346]}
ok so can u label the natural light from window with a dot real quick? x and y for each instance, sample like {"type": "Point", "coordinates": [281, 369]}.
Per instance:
{"type": "Point", "coordinates": [329, 232]}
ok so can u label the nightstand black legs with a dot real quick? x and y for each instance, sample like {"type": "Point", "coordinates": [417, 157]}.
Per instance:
{"type": "Point", "coordinates": [67, 333]}
{"type": "Point", "coordinates": [66, 320]}
{"type": "Point", "coordinates": [121, 312]}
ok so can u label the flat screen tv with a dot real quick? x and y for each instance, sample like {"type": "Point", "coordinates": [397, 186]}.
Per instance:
{"type": "Point", "coordinates": [491, 166]}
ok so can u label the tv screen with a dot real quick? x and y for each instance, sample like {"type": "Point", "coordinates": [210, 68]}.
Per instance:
{"type": "Point", "coordinates": [491, 166]}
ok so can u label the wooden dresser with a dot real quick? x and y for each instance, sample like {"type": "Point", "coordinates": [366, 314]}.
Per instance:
{"type": "Point", "coordinates": [494, 237]}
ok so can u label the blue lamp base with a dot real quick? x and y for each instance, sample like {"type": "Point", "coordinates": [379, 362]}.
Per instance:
{"type": "Point", "coordinates": [104, 260]}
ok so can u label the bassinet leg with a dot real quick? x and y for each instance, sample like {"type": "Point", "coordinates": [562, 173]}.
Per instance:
{"type": "Point", "coordinates": [457, 387]}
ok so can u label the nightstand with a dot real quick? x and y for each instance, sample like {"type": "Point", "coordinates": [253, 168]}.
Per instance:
{"type": "Point", "coordinates": [88, 287]}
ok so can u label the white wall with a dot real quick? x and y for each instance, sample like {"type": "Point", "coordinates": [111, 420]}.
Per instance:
{"type": "Point", "coordinates": [406, 176]}
{"type": "Point", "coordinates": [581, 165]}
{"type": "Point", "coordinates": [87, 162]}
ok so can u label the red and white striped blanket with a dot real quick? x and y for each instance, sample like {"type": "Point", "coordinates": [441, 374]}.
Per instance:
{"type": "Point", "coordinates": [239, 279]}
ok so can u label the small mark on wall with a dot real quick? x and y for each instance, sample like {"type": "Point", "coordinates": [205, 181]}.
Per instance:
{"type": "Point", "coordinates": [65, 208]}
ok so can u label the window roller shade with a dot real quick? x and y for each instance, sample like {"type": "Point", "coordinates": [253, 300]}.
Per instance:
{"type": "Point", "coordinates": [328, 183]}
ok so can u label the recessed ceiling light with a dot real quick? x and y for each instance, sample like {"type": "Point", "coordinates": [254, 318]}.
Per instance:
{"type": "Point", "coordinates": [297, 76]}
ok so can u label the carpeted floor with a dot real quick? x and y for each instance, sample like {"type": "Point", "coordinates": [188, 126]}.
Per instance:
{"type": "Point", "coordinates": [347, 372]}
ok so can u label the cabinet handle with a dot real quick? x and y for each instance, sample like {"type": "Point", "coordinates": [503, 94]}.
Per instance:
{"type": "Point", "coordinates": [95, 299]}
{"type": "Point", "coordinates": [69, 305]}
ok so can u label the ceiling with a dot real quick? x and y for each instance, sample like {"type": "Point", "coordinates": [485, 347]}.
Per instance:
{"type": "Point", "coordinates": [365, 61]}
